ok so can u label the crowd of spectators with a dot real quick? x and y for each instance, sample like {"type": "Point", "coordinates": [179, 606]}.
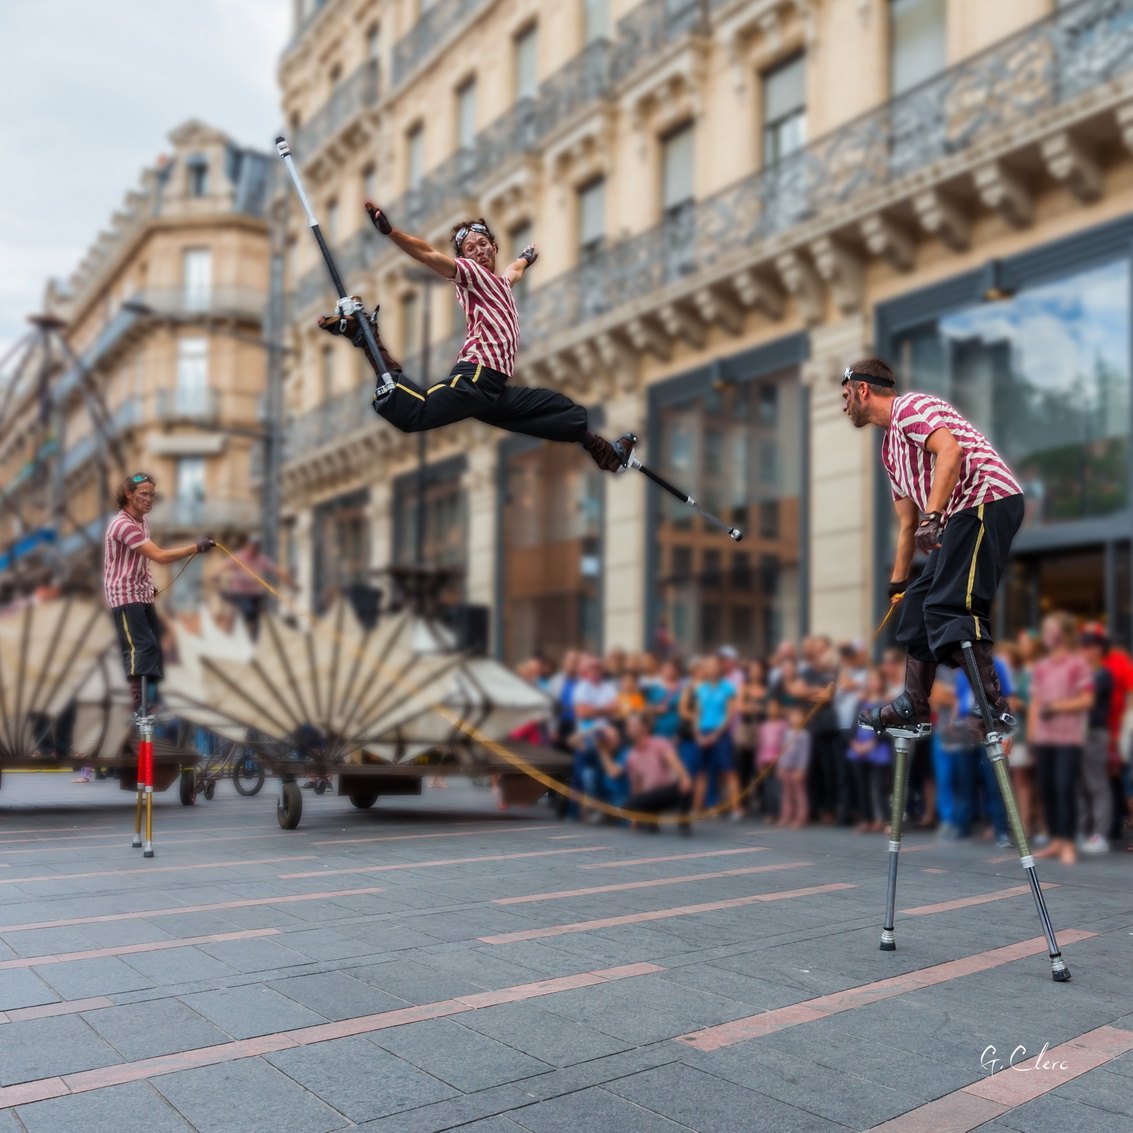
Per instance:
{"type": "Point", "coordinates": [776, 740]}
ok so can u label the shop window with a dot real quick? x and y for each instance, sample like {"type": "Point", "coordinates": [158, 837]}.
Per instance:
{"type": "Point", "coordinates": [552, 525]}
{"type": "Point", "coordinates": [729, 448]}
{"type": "Point", "coordinates": [1046, 375]}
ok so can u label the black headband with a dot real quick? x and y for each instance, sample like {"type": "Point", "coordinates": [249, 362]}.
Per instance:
{"type": "Point", "coordinates": [851, 374]}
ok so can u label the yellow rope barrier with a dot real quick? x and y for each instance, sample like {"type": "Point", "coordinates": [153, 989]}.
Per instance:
{"type": "Point", "coordinates": [511, 758]}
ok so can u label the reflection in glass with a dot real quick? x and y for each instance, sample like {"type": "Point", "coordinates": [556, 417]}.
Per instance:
{"type": "Point", "coordinates": [1046, 375]}
{"type": "Point", "coordinates": [552, 521]}
{"type": "Point", "coordinates": [735, 449]}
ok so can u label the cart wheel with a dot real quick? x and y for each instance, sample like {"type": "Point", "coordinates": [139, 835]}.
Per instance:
{"type": "Point", "coordinates": [364, 799]}
{"type": "Point", "coordinates": [210, 789]}
{"type": "Point", "coordinates": [248, 777]}
{"type": "Point", "coordinates": [321, 786]}
{"type": "Point", "coordinates": [188, 788]}
{"type": "Point", "coordinates": [290, 809]}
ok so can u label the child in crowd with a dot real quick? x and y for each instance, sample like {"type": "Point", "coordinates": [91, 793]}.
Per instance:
{"type": "Point", "coordinates": [793, 765]}
{"type": "Point", "coordinates": [772, 735]}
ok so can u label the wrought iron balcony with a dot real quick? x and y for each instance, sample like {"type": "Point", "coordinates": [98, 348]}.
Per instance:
{"type": "Point", "coordinates": [187, 405]}
{"type": "Point", "coordinates": [648, 28]}
{"type": "Point", "coordinates": [94, 444]}
{"type": "Point", "coordinates": [1042, 67]}
{"type": "Point", "coordinates": [353, 94]}
{"type": "Point", "coordinates": [243, 304]}
{"type": "Point", "coordinates": [191, 514]}
{"type": "Point", "coordinates": [346, 413]}
{"type": "Point", "coordinates": [427, 33]}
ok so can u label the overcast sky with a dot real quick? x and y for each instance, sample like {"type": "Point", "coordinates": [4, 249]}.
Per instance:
{"type": "Point", "coordinates": [88, 92]}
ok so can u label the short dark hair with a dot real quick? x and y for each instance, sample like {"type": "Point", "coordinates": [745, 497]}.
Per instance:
{"type": "Point", "coordinates": [466, 225]}
{"type": "Point", "coordinates": [130, 485]}
{"type": "Point", "coordinates": [876, 368]}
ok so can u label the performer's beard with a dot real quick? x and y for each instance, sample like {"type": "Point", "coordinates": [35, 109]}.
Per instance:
{"type": "Point", "coordinates": [856, 411]}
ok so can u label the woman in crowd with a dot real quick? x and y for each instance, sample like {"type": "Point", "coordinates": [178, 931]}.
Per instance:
{"type": "Point", "coordinates": [1062, 692]}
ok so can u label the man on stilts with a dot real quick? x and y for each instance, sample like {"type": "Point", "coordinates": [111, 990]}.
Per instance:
{"type": "Point", "coordinates": [478, 386]}
{"type": "Point", "coordinates": [130, 593]}
{"type": "Point", "coordinates": [957, 501]}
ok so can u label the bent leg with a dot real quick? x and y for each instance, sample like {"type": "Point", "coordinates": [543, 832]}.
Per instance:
{"type": "Point", "coordinates": [543, 413]}
{"type": "Point", "coordinates": [413, 409]}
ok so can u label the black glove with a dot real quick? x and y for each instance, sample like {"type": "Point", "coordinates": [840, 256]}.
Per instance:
{"type": "Point", "coordinates": [205, 544]}
{"type": "Point", "coordinates": [896, 588]}
{"type": "Point", "coordinates": [378, 218]}
{"type": "Point", "coordinates": [930, 531]}
{"type": "Point", "coordinates": [529, 254]}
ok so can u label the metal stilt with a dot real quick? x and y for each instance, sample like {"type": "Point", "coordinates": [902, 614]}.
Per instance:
{"type": "Point", "coordinates": [902, 748]}
{"type": "Point", "coordinates": [994, 744]}
{"type": "Point", "coordinates": [140, 804]}
{"type": "Point", "coordinates": [145, 766]}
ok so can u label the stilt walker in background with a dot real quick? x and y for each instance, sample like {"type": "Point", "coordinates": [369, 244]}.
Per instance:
{"type": "Point", "coordinates": [130, 593]}
{"type": "Point", "coordinates": [957, 501]}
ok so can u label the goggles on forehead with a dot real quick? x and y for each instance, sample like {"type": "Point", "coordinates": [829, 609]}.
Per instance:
{"type": "Point", "coordinates": [462, 233]}
{"type": "Point", "coordinates": [852, 375]}
{"type": "Point", "coordinates": [141, 478]}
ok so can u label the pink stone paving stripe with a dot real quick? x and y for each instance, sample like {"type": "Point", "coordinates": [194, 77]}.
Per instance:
{"type": "Point", "coordinates": [566, 837]}
{"type": "Point", "coordinates": [660, 914]}
{"type": "Point", "coordinates": [931, 869]}
{"type": "Point", "coordinates": [214, 906]}
{"type": "Point", "coordinates": [673, 858]}
{"type": "Point", "coordinates": [281, 836]}
{"type": "Point", "coordinates": [968, 902]}
{"type": "Point", "coordinates": [445, 834]}
{"type": "Point", "coordinates": [163, 869]}
{"type": "Point", "coordinates": [652, 882]}
{"type": "Point", "coordinates": [87, 1080]}
{"type": "Point", "coordinates": [442, 861]}
{"type": "Point", "coordinates": [50, 1010]}
{"type": "Point", "coordinates": [767, 1022]}
{"type": "Point", "coordinates": [1040, 1072]}
{"type": "Point", "coordinates": [1001, 860]}
{"type": "Point", "coordinates": [76, 837]}
{"type": "Point", "coordinates": [132, 949]}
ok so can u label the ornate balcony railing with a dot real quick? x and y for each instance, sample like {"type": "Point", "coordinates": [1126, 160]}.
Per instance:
{"type": "Point", "coordinates": [354, 93]}
{"type": "Point", "coordinates": [187, 404]}
{"type": "Point", "coordinates": [588, 77]}
{"type": "Point", "coordinates": [427, 32]}
{"type": "Point", "coordinates": [345, 413]}
{"type": "Point", "coordinates": [1044, 66]}
{"type": "Point", "coordinates": [644, 31]}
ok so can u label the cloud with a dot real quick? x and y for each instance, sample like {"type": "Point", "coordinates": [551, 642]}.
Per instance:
{"type": "Point", "coordinates": [91, 92]}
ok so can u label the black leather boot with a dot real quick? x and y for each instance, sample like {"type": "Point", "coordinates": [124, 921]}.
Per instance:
{"type": "Point", "coordinates": [911, 708]}
{"type": "Point", "coordinates": [984, 656]}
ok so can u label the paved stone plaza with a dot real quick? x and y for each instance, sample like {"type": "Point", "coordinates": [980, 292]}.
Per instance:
{"type": "Point", "coordinates": [435, 964]}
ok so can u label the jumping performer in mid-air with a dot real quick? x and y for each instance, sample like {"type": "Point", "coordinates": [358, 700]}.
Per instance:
{"type": "Point", "coordinates": [129, 585]}
{"type": "Point", "coordinates": [957, 500]}
{"type": "Point", "coordinates": [478, 385]}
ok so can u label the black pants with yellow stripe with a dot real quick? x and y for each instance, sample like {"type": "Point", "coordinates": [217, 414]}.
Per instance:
{"type": "Point", "coordinates": [950, 602]}
{"type": "Point", "coordinates": [139, 635]}
{"type": "Point", "coordinates": [474, 391]}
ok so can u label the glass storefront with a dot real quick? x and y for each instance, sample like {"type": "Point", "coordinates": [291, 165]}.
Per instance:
{"type": "Point", "coordinates": [443, 519]}
{"type": "Point", "coordinates": [1046, 374]}
{"type": "Point", "coordinates": [737, 447]}
{"type": "Point", "coordinates": [552, 551]}
{"type": "Point", "coordinates": [341, 539]}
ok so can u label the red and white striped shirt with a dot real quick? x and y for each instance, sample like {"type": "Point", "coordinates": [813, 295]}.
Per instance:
{"type": "Point", "coordinates": [493, 320]}
{"type": "Point", "coordinates": [983, 474]}
{"type": "Point", "coordinates": [125, 574]}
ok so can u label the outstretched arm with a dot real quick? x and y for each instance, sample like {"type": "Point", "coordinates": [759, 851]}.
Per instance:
{"type": "Point", "coordinates": [413, 246]}
{"type": "Point", "coordinates": [523, 261]}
